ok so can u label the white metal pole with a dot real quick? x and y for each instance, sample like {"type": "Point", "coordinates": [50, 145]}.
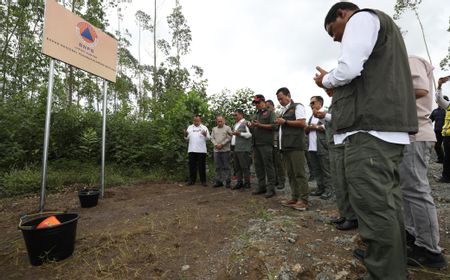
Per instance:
{"type": "Point", "coordinates": [105, 86]}
{"type": "Point", "coordinates": [46, 135]}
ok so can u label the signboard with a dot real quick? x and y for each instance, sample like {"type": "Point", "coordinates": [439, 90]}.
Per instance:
{"type": "Point", "coordinates": [69, 38]}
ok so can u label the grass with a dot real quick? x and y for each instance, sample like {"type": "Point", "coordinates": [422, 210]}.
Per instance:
{"type": "Point", "coordinates": [62, 174]}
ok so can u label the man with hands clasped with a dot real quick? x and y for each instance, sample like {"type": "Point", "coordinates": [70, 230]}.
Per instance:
{"type": "Point", "coordinates": [292, 123]}
{"type": "Point", "coordinates": [197, 134]}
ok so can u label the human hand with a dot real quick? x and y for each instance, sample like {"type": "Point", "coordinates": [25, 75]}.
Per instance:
{"type": "Point", "coordinates": [204, 132]}
{"type": "Point", "coordinates": [185, 132]}
{"type": "Point", "coordinates": [237, 133]}
{"type": "Point", "coordinates": [442, 80]}
{"type": "Point", "coordinates": [319, 76]}
{"type": "Point", "coordinates": [280, 121]}
{"type": "Point", "coordinates": [319, 114]}
{"type": "Point", "coordinates": [256, 123]}
{"type": "Point", "coordinates": [218, 147]}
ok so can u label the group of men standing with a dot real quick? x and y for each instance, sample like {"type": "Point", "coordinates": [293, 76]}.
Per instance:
{"type": "Point", "coordinates": [378, 138]}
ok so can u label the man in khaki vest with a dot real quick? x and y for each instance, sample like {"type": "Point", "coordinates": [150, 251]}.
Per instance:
{"type": "Point", "coordinates": [370, 82]}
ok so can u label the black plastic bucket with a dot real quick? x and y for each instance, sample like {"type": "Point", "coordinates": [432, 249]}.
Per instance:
{"type": "Point", "coordinates": [88, 197]}
{"type": "Point", "coordinates": [52, 243]}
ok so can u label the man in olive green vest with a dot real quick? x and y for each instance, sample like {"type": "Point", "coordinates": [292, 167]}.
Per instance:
{"type": "Point", "coordinates": [262, 126]}
{"type": "Point", "coordinates": [292, 144]}
{"type": "Point", "coordinates": [241, 144]}
{"type": "Point", "coordinates": [370, 82]}
{"type": "Point", "coordinates": [277, 162]}
{"type": "Point", "coordinates": [347, 217]}
{"type": "Point", "coordinates": [318, 152]}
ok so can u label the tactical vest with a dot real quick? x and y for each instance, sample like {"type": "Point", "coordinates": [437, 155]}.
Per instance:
{"type": "Point", "coordinates": [262, 136]}
{"type": "Point", "coordinates": [380, 98]}
{"type": "Point", "coordinates": [292, 138]}
{"type": "Point", "coordinates": [243, 144]}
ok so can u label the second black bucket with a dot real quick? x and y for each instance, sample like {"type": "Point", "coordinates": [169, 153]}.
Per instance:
{"type": "Point", "coordinates": [88, 197]}
{"type": "Point", "coordinates": [52, 243]}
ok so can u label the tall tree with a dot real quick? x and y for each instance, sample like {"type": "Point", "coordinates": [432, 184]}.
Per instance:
{"type": "Point", "coordinates": [403, 5]}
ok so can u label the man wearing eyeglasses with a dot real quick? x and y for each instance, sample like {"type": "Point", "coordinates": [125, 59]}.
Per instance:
{"type": "Point", "coordinates": [318, 151]}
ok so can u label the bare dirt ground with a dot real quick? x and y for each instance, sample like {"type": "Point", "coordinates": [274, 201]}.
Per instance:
{"type": "Point", "coordinates": [171, 231]}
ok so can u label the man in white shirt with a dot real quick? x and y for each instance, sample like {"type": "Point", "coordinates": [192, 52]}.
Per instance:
{"type": "Point", "coordinates": [371, 81]}
{"type": "Point", "coordinates": [197, 134]}
{"type": "Point", "coordinates": [318, 152]}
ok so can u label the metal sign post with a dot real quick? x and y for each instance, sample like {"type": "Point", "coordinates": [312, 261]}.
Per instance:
{"type": "Point", "coordinates": [46, 135]}
{"type": "Point", "coordinates": [105, 87]}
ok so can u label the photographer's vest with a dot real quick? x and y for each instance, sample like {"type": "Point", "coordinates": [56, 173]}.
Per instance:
{"type": "Point", "coordinates": [243, 144]}
{"type": "Point", "coordinates": [381, 97]}
{"type": "Point", "coordinates": [262, 136]}
{"type": "Point", "coordinates": [292, 138]}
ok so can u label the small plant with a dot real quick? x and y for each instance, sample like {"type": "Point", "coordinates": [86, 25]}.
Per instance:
{"type": "Point", "coordinates": [89, 143]}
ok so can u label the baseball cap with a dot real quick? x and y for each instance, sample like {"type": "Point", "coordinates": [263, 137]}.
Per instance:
{"type": "Point", "coordinates": [258, 98]}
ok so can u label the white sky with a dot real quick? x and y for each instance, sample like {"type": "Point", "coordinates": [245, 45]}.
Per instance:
{"type": "Point", "coordinates": [268, 44]}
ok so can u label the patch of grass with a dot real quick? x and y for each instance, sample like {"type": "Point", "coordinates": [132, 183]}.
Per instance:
{"type": "Point", "coordinates": [62, 174]}
{"type": "Point", "coordinates": [266, 215]}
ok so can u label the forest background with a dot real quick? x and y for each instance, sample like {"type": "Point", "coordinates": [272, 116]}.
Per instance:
{"type": "Point", "coordinates": [148, 107]}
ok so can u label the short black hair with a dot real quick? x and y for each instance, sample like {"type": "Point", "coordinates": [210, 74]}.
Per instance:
{"type": "Point", "coordinates": [284, 91]}
{"type": "Point", "coordinates": [332, 13]}
{"type": "Point", "coordinates": [270, 101]}
{"type": "Point", "coordinates": [240, 111]}
{"type": "Point", "coordinates": [318, 98]}
{"type": "Point", "coordinates": [197, 116]}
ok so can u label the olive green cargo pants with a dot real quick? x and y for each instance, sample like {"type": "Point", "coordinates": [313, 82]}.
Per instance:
{"type": "Point", "coordinates": [371, 170]}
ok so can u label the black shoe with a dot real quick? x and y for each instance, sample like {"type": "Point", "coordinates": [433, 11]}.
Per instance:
{"type": "Point", "coordinates": [204, 184]}
{"type": "Point", "coordinates": [337, 221]}
{"type": "Point", "coordinates": [359, 254]}
{"type": "Point", "coordinates": [190, 183]}
{"type": "Point", "coordinates": [347, 225]}
{"type": "Point", "coordinates": [280, 186]}
{"type": "Point", "coordinates": [269, 194]}
{"type": "Point", "coordinates": [326, 196]}
{"type": "Point", "coordinates": [218, 184]}
{"type": "Point", "coordinates": [228, 184]}
{"type": "Point", "coordinates": [419, 256]}
{"type": "Point", "coordinates": [258, 192]}
{"type": "Point", "coordinates": [316, 193]}
{"type": "Point", "coordinates": [247, 185]}
{"type": "Point", "coordinates": [237, 186]}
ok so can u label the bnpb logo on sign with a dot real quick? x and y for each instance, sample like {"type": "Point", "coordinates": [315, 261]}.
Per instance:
{"type": "Point", "coordinates": [87, 34]}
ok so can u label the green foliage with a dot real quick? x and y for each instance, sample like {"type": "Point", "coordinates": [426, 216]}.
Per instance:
{"type": "Point", "coordinates": [226, 103]}
{"type": "Point", "coordinates": [89, 143]}
{"type": "Point", "coordinates": [144, 136]}
{"type": "Point", "coordinates": [403, 5]}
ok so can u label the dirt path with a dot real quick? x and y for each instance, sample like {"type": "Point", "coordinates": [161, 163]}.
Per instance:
{"type": "Point", "coordinates": [170, 231]}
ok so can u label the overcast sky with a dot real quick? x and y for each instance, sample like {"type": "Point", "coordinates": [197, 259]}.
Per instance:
{"type": "Point", "coordinates": [267, 44]}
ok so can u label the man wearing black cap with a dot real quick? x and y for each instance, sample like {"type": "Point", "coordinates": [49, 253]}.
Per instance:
{"type": "Point", "coordinates": [263, 125]}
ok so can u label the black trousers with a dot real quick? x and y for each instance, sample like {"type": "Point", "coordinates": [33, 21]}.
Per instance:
{"type": "Point", "coordinates": [446, 168]}
{"type": "Point", "coordinates": [197, 161]}
{"type": "Point", "coordinates": [438, 145]}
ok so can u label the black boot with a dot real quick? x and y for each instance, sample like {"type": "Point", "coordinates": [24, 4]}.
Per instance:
{"type": "Point", "coordinates": [238, 185]}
